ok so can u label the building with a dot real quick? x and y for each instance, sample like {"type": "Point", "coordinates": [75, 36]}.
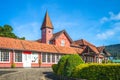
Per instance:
{"type": "Point", "coordinates": [48, 50]}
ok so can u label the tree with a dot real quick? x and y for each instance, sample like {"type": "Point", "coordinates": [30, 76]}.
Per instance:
{"type": "Point", "coordinates": [6, 31]}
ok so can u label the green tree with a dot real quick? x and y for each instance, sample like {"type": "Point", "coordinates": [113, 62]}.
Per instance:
{"type": "Point", "coordinates": [6, 31]}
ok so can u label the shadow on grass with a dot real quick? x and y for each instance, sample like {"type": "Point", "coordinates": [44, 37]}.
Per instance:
{"type": "Point", "coordinates": [6, 72]}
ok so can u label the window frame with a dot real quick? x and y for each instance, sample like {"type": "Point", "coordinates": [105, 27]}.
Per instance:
{"type": "Point", "coordinates": [48, 56]}
{"type": "Point", "coordinates": [15, 56]}
{"type": "Point", "coordinates": [9, 56]}
{"type": "Point", "coordinates": [54, 58]}
{"type": "Point", "coordinates": [45, 58]}
{"type": "Point", "coordinates": [32, 57]}
{"type": "Point", "coordinates": [62, 42]}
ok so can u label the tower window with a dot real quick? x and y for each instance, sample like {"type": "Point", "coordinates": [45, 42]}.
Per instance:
{"type": "Point", "coordinates": [62, 43]}
{"type": "Point", "coordinates": [49, 31]}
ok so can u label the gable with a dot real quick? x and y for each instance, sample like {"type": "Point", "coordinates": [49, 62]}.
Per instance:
{"type": "Point", "coordinates": [61, 37]}
{"type": "Point", "coordinates": [89, 49]}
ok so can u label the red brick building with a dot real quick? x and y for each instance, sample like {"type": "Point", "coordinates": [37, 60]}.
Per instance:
{"type": "Point", "coordinates": [48, 50]}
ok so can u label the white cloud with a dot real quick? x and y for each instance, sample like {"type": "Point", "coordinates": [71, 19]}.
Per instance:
{"type": "Point", "coordinates": [112, 17]}
{"type": "Point", "coordinates": [114, 28]}
{"type": "Point", "coordinates": [104, 19]}
{"type": "Point", "coordinates": [109, 33]}
{"type": "Point", "coordinates": [105, 35]}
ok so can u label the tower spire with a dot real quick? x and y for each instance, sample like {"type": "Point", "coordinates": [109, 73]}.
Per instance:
{"type": "Point", "coordinates": [47, 22]}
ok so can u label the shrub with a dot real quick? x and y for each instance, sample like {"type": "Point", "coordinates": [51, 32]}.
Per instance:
{"type": "Point", "coordinates": [13, 65]}
{"type": "Point", "coordinates": [61, 65]}
{"type": "Point", "coordinates": [55, 67]}
{"type": "Point", "coordinates": [66, 64]}
{"type": "Point", "coordinates": [97, 71]}
{"type": "Point", "coordinates": [71, 62]}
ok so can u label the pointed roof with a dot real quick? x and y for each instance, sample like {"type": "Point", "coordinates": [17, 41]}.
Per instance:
{"type": "Point", "coordinates": [47, 22]}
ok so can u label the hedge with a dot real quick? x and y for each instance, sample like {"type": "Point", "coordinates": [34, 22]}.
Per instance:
{"type": "Point", "coordinates": [97, 71]}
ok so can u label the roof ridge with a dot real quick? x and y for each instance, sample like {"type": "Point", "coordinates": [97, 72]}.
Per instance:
{"type": "Point", "coordinates": [59, 31]}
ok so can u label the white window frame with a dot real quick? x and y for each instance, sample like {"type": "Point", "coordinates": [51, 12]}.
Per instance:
{"type": "Point", "coordinates": [14, 57]}
{"type": "Point", "coordinates": [54, 59]}
{"type": "Point", "coordinates": [57, 60]}
{"type": "Point", "coordinates": [5, 61]}
{"type": "Point", "coordinates": [37, 57]}
{"type": "Point", "coordinates": [51, 56]}
{"type": "Point", "coordinates": [45, 58]}
{"type": "Point", "coordinates": [62, 42]}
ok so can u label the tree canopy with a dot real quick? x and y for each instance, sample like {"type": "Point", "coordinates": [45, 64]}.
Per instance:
{"type": "Point", "coordinates": [7, 31]}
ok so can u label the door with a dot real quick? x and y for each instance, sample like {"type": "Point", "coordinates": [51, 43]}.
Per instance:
{"type": "Point", "coordinates": [26, 60]}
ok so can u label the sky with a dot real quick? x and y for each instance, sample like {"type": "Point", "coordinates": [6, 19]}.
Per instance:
{"type": "Point", "coordinates": [97, 21]}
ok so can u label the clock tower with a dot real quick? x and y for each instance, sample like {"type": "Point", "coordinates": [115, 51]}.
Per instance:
{"type": "Point", "coordinates": [46, 29]}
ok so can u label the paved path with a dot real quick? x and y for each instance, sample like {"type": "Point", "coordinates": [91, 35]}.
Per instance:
{"type": "Point", "coordinates": [27, 74]}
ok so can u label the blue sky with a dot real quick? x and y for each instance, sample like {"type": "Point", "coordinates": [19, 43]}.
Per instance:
{"type": "Point", "coordinates": [97, 21]}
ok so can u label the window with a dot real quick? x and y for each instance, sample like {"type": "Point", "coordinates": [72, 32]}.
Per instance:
{"type": "Point", "coordinates": [58, 58]}
{"type": "Point", "coordinates": [43, 57]}
{"type": "Point", "coordinates": [35, 57]}
{"type": "Point", "coordinates": [53, 58]}
{"type": "Point", "coordinates": [4, 56]}
{"type": "Point", "coordinates": [48, 58]}
{"type": "Point", "coordinates": [49, 31]}
{"type": "Point", "coordinates": [62, 43]}
{"type": "Point", "coordinates": [18, 56]}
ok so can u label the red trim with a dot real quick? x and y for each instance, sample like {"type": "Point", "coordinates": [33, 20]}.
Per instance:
{"type": "Point", "coordinates": [27, 52]}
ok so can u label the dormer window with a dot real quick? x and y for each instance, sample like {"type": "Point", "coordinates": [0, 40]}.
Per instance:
{"type": "Point", "coordinates": [62, 42]}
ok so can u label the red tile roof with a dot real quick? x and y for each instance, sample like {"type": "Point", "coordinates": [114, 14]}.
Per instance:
{"type": "Point", "coordinates": [15, 44]}
{"type": "Point", "coordinates": [84, 43]}
{"type": "Point", "coordinates": [47, 22]}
